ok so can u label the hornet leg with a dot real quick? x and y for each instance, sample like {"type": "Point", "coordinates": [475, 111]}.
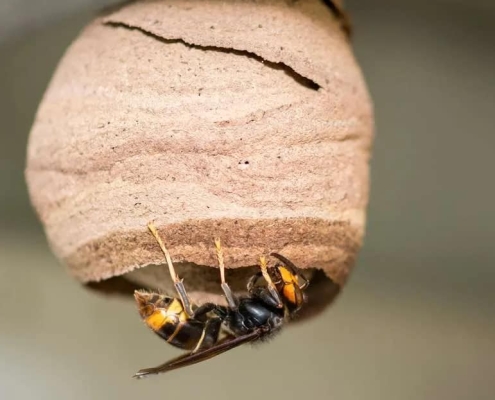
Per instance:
{"type": "Point", "coordinates": [178, 283]}
{"type": "Point", "coordinates": [231, 299]}
{"type": "Point", "coordinates": [271, 286]}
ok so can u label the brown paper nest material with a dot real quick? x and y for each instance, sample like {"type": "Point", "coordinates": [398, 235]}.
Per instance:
{"type": "Point", "coordinates": [245, 120]}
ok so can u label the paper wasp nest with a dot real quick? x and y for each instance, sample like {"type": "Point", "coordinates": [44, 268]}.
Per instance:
{"type": "Point", "coordinates": [245, 120]}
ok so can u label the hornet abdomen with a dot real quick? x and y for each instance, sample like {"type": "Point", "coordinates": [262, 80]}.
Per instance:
{"type": "Point", "coordinates": [168, 319]}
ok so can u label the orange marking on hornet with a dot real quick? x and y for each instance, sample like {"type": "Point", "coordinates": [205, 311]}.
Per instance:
{"type": "Point", "coordinates": [290, 282]}
{"type": "Point", "coordinates": [170, 315]}
{"type": "Point", "coordinates": [159, 318]}
{"type": "Point", "coordinates": [290, 293]}
{"type": "Point", "coordinates": [175, 308]}
{"type": "Point", "coordinates": [287, 276]}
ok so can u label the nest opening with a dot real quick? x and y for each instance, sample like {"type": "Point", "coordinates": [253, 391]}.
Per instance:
{"type": "Point", "coordinates": [203, 284]}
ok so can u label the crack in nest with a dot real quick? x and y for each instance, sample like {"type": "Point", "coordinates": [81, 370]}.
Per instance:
{"type": "Point", "coordinates": [300, 79]}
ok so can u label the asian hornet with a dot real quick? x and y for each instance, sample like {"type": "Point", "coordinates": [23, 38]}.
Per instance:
{"type": "Point", "coordinates": [275, 294]}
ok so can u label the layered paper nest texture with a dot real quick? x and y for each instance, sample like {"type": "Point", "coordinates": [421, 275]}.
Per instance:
{"type": "Point", "coordinates": [245, 120]}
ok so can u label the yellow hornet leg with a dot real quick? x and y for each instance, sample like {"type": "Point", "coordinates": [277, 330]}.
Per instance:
{"type": "Point", "coordinates": [231, 300]}
{"type": "Point", "coordinates": [271, 286]}
{"type": "Point", "coordinates": [179, 285]}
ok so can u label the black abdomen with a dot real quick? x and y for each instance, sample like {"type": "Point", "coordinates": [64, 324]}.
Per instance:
{"type": "Point", "coordinates": [191, 334]}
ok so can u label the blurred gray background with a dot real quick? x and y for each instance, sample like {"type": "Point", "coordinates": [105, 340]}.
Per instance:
{"type": "Point", "coordinates": [416, 321]}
